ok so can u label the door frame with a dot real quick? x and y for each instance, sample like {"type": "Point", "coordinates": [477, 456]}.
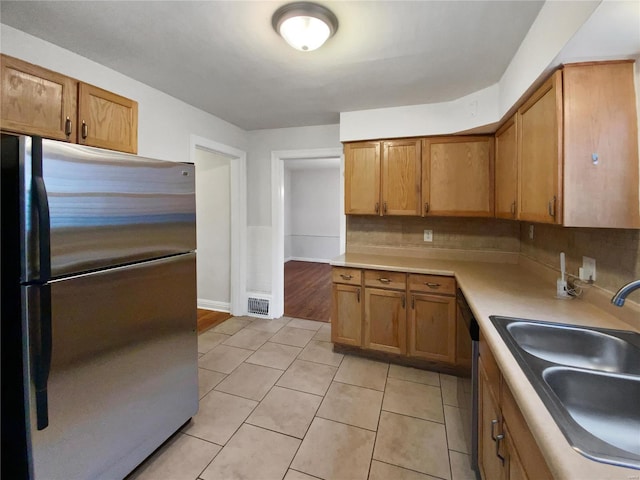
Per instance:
{"type": "Point", "coordinates": [278, 158]}
{"type": "Point", "coordinates": [238, 190]}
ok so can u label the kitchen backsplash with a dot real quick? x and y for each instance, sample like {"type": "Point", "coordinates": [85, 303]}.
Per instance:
{"type": "Point", "coordinates": [450, 233]}
{"type": "Point", "coordinates": [617, 252]}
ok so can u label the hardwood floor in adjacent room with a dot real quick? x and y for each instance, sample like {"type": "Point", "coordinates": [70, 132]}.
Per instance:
{"type": "Point", "coordinates": [307, 290]}
{"type": "Point", "coordinates": [210, 318]}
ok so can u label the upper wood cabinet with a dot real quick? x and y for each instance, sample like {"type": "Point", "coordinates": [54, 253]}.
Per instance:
{"type": "Point", "coordinates": [506, 175]}
{"type": "Point", "coordinates": [382, 178]}
{"type": "Point", "coordinates": [540, 145]}
{"type": "Point", "coordinates": [457, 176]}
{"type": "Point", "coordinates": [37, 101]}
{"type": "Point", "coordinates": [107, 120]}
{"type": "Point", "coordinates": [401, 165]}
{"type": "Point", "coordinates": [362, 178]}
{"type": "Point", "coordinates": [578, 148]}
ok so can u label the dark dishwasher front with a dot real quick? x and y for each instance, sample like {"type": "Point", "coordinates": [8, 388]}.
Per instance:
{"type": "Point", "coordinates": [468, 336]}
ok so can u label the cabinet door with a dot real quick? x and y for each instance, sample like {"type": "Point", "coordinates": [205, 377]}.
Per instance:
{"type": "Point", "coordinates": [362, 178]}
{"type": "Point", "coordinates": [514, 467]}
{"type": "Point", "coordinates": [457, 176]}
{"type": "Point", "coordinates": [540, 156]}
{"type": "Point", "coordinates": [432, 327]}
{"type": "Point", "coordinates": [491, 465]}
{"type": "Point", "coordinates": [600, 119]}
{"type": "Point", "coordinates": [401, 165]}
{"type": "Point", "coordinates": [36, 101]}
{"type": "Point", "coordinates": [385, 320]}
{"type": "Point", "coordinates": [507, 170]}
{"type": "Point", "coordinates": [107, 120]}
{"type": "Point", "coordinates": [346, 320]}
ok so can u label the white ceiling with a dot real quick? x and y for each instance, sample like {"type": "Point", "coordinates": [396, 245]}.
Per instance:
{"type": "Point", "coordinates": [225, 58]}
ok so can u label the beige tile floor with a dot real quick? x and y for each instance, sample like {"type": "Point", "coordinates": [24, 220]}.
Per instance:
{"type": "Point", "coordinates": [277, 403]}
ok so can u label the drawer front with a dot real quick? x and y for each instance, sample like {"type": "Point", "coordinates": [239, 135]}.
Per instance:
{"type": "Point", "coordinates": [432, 284]}
{"type": "Point", "coordinates": [491, 366]}
{"type": "Point", "coordinates": [349, 276]}
{"type": "Point", "coordinates": [383, 279]}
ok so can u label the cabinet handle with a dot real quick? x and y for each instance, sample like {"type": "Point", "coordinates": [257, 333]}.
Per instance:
{"type": "Point", "coordinates": [377, 208]}
{"type": "Point", "coordinates": [513, 209]}
{"type": "Point", "coordinates": [426, 207]}
{"type": "Point", "coordinates": [85, 129]}
{"type": "Point", "coordinates": [499, 439]}
{"type": "Point", "coordinates": [346, 276]}
{"type": "Point", "coordinates": [67, 127]}
{"type": "Point", "coordinates": [384, 280]}
{"type": "Point", "coordinates": [494, 422]}
{"type": "Point", "coordinates": [384, 208]}
{"type": "Point", "coordinates": [404, 301]}
{"type": "Point", "coordinates": [552, 207]}
{"type": "Point", "coordinates": [358, 295]}
{"type": "Point", "coordinates": [432, 285]}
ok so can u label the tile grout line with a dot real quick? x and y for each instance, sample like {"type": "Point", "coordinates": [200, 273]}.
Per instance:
{"type": "Point", "coordinates": [446, 434]}
{"type": "Point", "coordinates": [411, 470]}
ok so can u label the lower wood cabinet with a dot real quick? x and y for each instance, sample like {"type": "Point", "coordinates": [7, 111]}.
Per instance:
{"type": "Point", "coordinates": [346, 318]}
{"type": "Point", "coordinates": [385, 319]}
{"type": "Point", "coordinates": [432, 327]}
{"type": "Point", "coordinates": [507, 450]}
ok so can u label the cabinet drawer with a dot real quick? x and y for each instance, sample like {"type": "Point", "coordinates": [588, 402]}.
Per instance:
{"type": "Point", "coordinates": [350, 276]}
{"type": "Point", "coordinates": [383, 279]}
{"type": "Point", "coordinates": [432, 284]}
{"type": "Point", "coordinates": [490, 366]}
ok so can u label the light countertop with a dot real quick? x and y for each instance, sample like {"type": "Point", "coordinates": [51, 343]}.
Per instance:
{"type": "Point", "coordinates": [513, 291]}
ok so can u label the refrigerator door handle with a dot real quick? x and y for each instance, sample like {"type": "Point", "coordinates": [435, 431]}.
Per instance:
{"type": "Point", "coordinates": [41, 352]}
{"type": "Point", "coordinates": [42, 207]}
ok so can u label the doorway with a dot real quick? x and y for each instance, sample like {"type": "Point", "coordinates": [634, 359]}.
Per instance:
{"type": "Point", "coordinates": [311, 245]}
{"type": "Point", "coordinates": [221, 212]}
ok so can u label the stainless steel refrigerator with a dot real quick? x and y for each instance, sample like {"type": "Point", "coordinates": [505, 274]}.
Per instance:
{"type": "Point", "coordinates": [99, 346]}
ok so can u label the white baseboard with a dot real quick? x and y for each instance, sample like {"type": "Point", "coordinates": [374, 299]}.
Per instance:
{"type": "Point", "coordinates": [308, 259]}
{"type": "Point", "coordinates": [214, 305]}
{"type": "Point", "coordinates": [288, 259]}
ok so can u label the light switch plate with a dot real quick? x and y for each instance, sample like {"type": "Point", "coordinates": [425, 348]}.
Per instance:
{"type": "Point", "coordinates": [428, 235]}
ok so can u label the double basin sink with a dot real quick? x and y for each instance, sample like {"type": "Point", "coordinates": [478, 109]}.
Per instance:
{"type": "Point", "coordinates": [589, 380]}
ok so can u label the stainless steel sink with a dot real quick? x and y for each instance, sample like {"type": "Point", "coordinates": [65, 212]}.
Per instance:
{"type": "Point", "coordinates": [589, 380]}
{"type": "Point", "coordinates": [577, 347]}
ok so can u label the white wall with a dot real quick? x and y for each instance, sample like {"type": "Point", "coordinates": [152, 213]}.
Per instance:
{"type": "Point", "coordinates": [315, 205]}
{"type": "Point", "coordinates": [164, 122]}
{"type": "Point", "coordinates": [261, 144]}
{"type": "Point", "coordinates": [287, 214]}
{"type": "Point", "coordinates": [213, 213]}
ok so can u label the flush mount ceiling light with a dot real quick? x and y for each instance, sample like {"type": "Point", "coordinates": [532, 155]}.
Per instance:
{"type": "Point", "coordinates": [304, 25]}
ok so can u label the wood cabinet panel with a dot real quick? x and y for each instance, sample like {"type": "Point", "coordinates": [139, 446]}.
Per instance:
{"type": "Point", "coordinates": [432, 327]}
{"type": "Point", "coordinates": [362, 178]}
{"type": "Point", "coordinates": [351, 276]}
{"type": "Point", "coordinates": [107, 120]}
{"type": "Point", "coordinates": [432, 284]}
{"type": "Point", "coordinates": [506, 183]}
{"type": "Point", "coordinates": [540, 153]}
{"type": "Point", "coordinates": [37, 101]}
{"type": "Point", "coordinates": [600, 119]}
{"type": "Point", "coordinates": [384, 279]}
{"type": "Point", "coordinates": [385, 320]}
{"type": "Point", "coordinates": [346, 318]}
{"type": "Point", "coordinates": [401, 166]}
{"type": "Point", "coordinates": [457, 176]}
{"type": "Point", "coordinates": [489, 423]}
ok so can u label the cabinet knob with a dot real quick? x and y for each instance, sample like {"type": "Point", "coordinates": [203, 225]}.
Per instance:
{"type": "Point", "coordinates": [384, 208]}
{"type": "Point", "coordinates": [384, 280]}
{"type": "Point", "coordinates": [85, 130]}
{"type": "Point", "coordinates": [358, 295]}
{"type": "Point", "coordinates": [494, 422]}
{"type": "Point", "coordinates": [513, 209]}
{"type": "Point", "coordinates": [377, 207]}
{"type": "Point", "coordinates": [426, 207]}
{"type": "Point", "coordinates": [552, 207]}
{"type": "Point", "coordinates": [346, 276]}
{"type": "Point", "coordinates": [67, 127]}
{"type": "Point", "coordinates": [499, 439]}
{"type": "Point", "coordinates": [432, 284]}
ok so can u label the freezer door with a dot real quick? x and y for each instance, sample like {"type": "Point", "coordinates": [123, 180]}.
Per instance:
{"type": "Point", "coordinates": [123, 373]}
{"type": "Point", "coordinates": [103, 208]}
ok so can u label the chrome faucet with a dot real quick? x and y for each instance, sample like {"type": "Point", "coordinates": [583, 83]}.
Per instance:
{"type": "Point", "coordinates": [618, 298]}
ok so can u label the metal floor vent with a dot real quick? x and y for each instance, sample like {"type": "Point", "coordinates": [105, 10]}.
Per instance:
{"type": "Point", "coordinates": [258, 306]}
